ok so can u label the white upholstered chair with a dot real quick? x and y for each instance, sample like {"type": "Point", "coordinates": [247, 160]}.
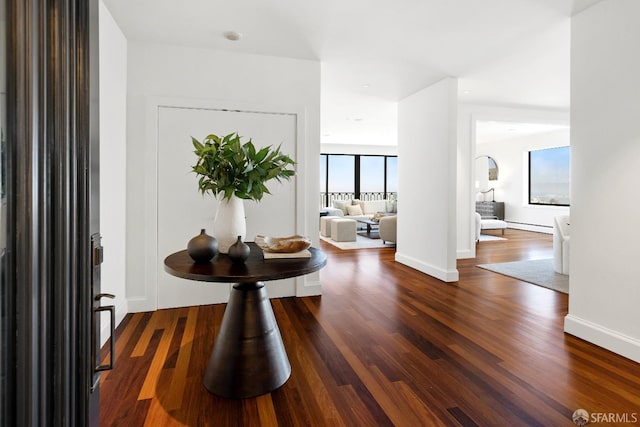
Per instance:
{"type": "Point", "coordinates": [488, 224]}
{"type": "Point", "coordinates": [561, 244]}
{"type": "Point", "coordinates": [387, 227]}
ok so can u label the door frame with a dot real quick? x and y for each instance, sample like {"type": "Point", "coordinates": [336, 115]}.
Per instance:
{"type": "Point", "coordinates": [144, 296]}
{"type": "Point", "coordinates": [52, 210]}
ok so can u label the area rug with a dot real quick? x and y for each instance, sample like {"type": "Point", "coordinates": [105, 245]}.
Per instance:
{"type": "Point", "coordinates": [360, 243]}
{"type": "Point", "coordinates": [538, 271]}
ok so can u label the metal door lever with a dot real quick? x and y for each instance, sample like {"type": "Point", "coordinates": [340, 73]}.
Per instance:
{"type": "Point", "coordinates": [112, 339]}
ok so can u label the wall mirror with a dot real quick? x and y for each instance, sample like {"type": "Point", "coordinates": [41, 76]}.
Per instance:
{"type": "Point", "coordinates": [486, 171]}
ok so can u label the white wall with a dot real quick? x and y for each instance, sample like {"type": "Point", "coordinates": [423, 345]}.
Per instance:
{"type": "Point", "coordinates": [605, 143]}
{"type": "Point", "coordinates": [113, 160]}
{"type": "Point", "coordinates": [200, 77]}
{"type": "Point", "coordinates": [427, 144]}
{"type": "Point", "coordinates": [182, 211]}
{"type": "Point", "coordinates": [468, 115]}
{"type": "Point", "coordinates": [512, 185]}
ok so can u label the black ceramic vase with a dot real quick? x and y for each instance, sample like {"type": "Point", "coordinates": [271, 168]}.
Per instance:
{"type": "Point", "coordinates": [203, 247]}
{"type": "Point", "coordinates": [239, 251]}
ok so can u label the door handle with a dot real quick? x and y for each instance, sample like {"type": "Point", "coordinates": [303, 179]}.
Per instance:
{"type": "Point", "coordinates": [112, 339]}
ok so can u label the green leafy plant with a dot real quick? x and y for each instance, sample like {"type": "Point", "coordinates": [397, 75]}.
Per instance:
{"type": "Point", "coordinates": [228, 166]}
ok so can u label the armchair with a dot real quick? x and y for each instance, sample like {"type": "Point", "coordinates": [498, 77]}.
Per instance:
{"type": "Point", "coordinates": [561, 244]}
{"type": "Point", "coordinates": [387, 228]}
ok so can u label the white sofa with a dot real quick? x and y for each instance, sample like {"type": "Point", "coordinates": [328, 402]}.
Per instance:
{"type": "Point", "coordinates": [360, 209]}
{"type": "Point", "coordinates": [561, 240]}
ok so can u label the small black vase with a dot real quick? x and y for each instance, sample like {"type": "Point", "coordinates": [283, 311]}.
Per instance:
{"type": "Point", "coordinates": [203, 247]}
{"type": "Point", "coordinates": [239, 251]}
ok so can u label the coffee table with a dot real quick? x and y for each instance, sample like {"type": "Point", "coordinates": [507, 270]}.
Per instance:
{"type": "Point", "coordinates": [248, 357]}
{"type": "Point", "coordinates": [369, 223]}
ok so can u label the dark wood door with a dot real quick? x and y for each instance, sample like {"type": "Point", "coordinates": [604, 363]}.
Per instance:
{"type": "Point", "coordinates": [50, 195]}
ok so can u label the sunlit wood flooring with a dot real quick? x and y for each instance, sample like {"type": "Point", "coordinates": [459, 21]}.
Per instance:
{"type": "Point", "coordinates": [384, 345]}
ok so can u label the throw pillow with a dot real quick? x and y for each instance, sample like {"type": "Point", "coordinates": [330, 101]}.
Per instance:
{"type": "Point", "coordinates": [354, 210]}
{"type": "Point", "coordinates": [342, 205]}
{"type": "Point", "coordinates": [372, 206]}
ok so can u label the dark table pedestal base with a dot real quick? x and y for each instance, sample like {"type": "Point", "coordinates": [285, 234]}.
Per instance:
{"type": "Point", "coordinates": [248, 357]}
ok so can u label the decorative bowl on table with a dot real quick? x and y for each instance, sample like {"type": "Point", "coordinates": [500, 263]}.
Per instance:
{"type": "Point", "coordinates": [282, 244]}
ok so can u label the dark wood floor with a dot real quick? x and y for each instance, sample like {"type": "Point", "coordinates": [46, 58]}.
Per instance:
{"type": "Point", "coordinates": [385, 345]}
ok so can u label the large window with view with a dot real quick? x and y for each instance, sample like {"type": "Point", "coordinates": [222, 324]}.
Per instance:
{"type": "Point", "coordinates": [349, 176]}
{"type": "Point", "coordinates": [392, 175]}
{"type": "Point", "coordinates": [372, 175]}
{"type": "Point", "coordinates": [549, 176]}
{"type": "Point", "coordinates": [341, 180]}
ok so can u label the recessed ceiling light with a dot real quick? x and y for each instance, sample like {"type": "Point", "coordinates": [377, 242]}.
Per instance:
{"type": "Point", "coordinates": [466, 92]}
{"type": "Point", "coordinates": [232, 35]}
{"type": "Point", "coordinates": [366, 85]}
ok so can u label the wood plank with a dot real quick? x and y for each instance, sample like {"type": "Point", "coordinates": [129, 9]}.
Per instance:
{"type": "Point", "coordinates": [180, 373]}
{"type": "Point", "coordinates": [170, 319]}
{"type": "Point", "coordinates": [125, 330]}
{"type": "Point", "coordinates": [266, 412]}
{"type": "Point", "coordinates": [384, 345]}
{"type": "Point", "coordinates": [143, 340]}
{"type": "Point", "coordinates": [306, 360]}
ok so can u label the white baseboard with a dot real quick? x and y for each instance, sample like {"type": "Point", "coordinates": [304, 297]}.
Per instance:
{"type": "Point", "coordinates": [438, 273]}
{"type": "Point", "coordinates": [303, 288]}
{"type": "Point", "coordinates": [139, 304]}
{"type": "Point", "coordinates": [465, 254]}
{"type": "Point", "coordinates": [614, 341]}
{"type": "Point", "coordinates": [308, 289]}
{"type": "Point", "coordinates": [530, 227]}
{"type": "Point", "coordinates": [105, 326]}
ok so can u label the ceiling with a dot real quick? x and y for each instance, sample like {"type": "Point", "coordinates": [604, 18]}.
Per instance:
{"type": "Point", "coordinates": [374, 53]}
{"type": "Point", "coordinates": [495, 131]}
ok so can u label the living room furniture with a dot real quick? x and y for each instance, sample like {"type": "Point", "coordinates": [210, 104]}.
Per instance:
{"type": "Point", "coordinates": [343, 230]}
{"type": "Point", "coordinates": [368, 208]}
{"type": "Point", "coordinates": [488, 224]}
{"type": "Point", "coordinates": [369, 223]}
{"type": "Point", "coordinates": [561, 240]}
{"type": "Point", "coordinates": [492, 224]}
{"type": "Point", "coordinates": [490, 209]}
{"type": "Point", "coordinates": [387, 228]}
{"type": "Point", "coordinates": [248, 357]}
{"type": "Point", "coordinates": [325, 224]}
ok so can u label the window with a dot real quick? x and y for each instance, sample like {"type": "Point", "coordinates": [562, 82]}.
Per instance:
{"type": "Point", "coordinates": [341, 174]}
{"type": "Point", "coordinates": [549, 176]}
{"type": "Point", "coordinates": [392, 174]}
{"type": "Point", "coordinates": [372, 174]}
{"type": "Point", "coordinates": [346, 176]}
{"type": "Point", "coordinates": [323, 172]}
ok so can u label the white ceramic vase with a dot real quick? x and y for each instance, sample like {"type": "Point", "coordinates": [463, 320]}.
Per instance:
{"type": "Point", "coordinates": [229, 222]}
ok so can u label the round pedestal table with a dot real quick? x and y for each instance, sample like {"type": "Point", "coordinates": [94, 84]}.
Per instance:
{"type": "Point", "coordinates": [248, 357]}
